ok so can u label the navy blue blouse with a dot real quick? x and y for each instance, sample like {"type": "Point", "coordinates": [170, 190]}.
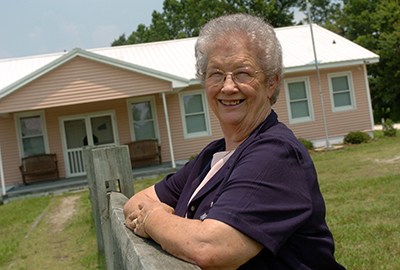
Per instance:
{"type": "Point", "coordinates": [268, 190]}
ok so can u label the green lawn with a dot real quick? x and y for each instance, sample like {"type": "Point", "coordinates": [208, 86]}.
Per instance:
{"type": "Point", "coordinates": [361, 187]}
{"type": "Point", "coordinates": [360, 184]}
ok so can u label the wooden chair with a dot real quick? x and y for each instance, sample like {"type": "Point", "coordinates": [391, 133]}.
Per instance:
{"type": "Point", "coordinates": [144, 149]}
{"type": "Point", "coordinates": [39, 165]}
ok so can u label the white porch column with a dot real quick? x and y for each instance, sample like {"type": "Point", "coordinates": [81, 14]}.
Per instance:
{"type": "Point", "coordinates": [168, 130]}
{"type": "Point", "coordinates": [3, 185]}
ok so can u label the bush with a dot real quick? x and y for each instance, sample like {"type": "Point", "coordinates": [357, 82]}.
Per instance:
{"type": "Point", "coordinates": [309, 145]}
{"type": "Point", "coordinates": [388, 128]}
{"type": "Point", "coordinates": [192, 157]}
{"type": "Point", "coordinates": [356, 137]}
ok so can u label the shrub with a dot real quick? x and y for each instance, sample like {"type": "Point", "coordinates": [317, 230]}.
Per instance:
{"type": "Point", "coordinates": [388, 128]}
{"type": "Point", "coordinates": [356, 137]}
{"type": "Point", "coordinates": [192, 157]}
{"type": "Point", "coordinates": [309, 145]}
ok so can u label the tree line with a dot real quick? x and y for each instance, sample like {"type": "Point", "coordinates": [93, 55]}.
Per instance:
{"type": "Point", "coordinates": [373, 24]}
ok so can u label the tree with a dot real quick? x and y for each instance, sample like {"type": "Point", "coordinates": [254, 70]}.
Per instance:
{"type": "Point", "coordinates": [181, 19]}
{"type": "Point", "coordinates": [323, 12]}
{"type": "Point", "coordinates": [375, 25]}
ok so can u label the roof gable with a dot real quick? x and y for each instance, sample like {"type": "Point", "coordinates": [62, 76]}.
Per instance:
{"type": "Point", "coordinates": [45, 64]}
{"type": "Point", "coordinates": [81, 80]}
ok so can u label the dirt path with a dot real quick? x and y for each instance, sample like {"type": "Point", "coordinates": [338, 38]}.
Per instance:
{"type": "Point", "coordinates": [59, 217]}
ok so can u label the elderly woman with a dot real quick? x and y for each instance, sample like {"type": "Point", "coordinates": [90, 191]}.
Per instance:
{"type": "Point", "coordinates": [250, 200]}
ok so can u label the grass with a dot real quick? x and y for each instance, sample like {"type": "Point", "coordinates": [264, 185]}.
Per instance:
{"type": "Point", "coordinates": [15, 221]}
{"type": "Point", "coordinates": [361, 187]}
{"type": "Point", "coordinates": [360, 184]}
{"type": "Point", "coordinates": [72, 246]}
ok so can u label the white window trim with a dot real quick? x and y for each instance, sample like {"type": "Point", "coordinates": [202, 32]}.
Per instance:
{"type": "Point", "coordinates": [309, 99]}
{"type": "Point", "coordinates": [352, 98]}
{"type": "Point", "coordinates": [205, 133]}
{"type": "Point", "coordinates": [17, 118]}
{"type": "Point", "coordinates": [87, 116]}
{"type": "Point", "coordinates": [153, 111]}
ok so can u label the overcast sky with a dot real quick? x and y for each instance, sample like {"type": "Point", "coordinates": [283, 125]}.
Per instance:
{"type": "Point", "coordinates": [32, 27]}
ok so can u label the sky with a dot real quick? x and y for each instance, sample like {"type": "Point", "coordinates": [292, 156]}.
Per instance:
{"type": "Point", "coordinates": [33, 27]}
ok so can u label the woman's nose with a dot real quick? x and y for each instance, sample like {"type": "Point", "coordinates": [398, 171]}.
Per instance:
{"type": "Point", "coordinates": [229, 86]}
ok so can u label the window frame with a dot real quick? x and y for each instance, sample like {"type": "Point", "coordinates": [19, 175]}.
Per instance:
{"type": "Point", "coordinates": [200, 134]}
{"type": "Point", "coordinates": [17, 118]}
{"type": "Point", "coordinates": [306, 81]}
{"type": "Point", "coordinates": [350, 91]}
{"type": "Point", "coordinates": [152, 101]}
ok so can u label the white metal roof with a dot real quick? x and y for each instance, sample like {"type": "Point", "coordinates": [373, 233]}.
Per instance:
{"type": "Point", "coordinates": [174, 60]}
{"type": "Point", "coordinates": [332, 50]}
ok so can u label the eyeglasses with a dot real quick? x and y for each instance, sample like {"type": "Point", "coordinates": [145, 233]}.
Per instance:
{"type": "Point", "coordinates": [241, 76]}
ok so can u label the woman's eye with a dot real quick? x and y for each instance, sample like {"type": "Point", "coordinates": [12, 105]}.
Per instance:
{"type": "Point", "coordinates": [242, 74]}
{"type": "Point", "coordinates": [216, 74]}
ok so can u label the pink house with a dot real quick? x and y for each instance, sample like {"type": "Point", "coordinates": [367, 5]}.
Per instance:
{"type": "Point", "coordinates": [60, 102]}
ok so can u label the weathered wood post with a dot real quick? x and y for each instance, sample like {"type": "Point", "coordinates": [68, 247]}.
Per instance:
{"type": "Point", "coordinates": [108, 168]}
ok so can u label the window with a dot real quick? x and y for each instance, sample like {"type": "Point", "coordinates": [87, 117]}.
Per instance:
{"type": "Point", "coordinates": [341, 90]}
{"type": "Point", "coordinates": [31, 132]}
{"type": "Point", "coordinates": [143, 118]}
{"type": "Point", "coordinates": [195, 119]}
{"type": "Point", "coordinates": [299, 100]}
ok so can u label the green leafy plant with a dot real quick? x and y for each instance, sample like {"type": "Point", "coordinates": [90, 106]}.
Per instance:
{"type": "Point", "coordinates": [388, 128]}
{"type": "Point", "coordinates": [308, 144]}
{"type": "Point", "coordinates": [192, 157]}
{"type": "Point", "coordinates": [356, 137]}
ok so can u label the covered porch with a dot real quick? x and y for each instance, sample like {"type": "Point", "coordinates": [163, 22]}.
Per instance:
{"type": "Point", "coordinates": [52, 187]}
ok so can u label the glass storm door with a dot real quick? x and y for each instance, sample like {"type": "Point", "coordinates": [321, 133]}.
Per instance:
{"type": "Point", "coordinates": [88, 130]}
{"type": "Point", "coordinates": [75, 134]}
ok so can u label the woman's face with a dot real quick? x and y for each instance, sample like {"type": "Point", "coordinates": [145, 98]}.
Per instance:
{"type": "Point", "coordinates": [237, 106]}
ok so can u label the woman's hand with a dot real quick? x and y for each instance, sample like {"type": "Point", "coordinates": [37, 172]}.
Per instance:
{"type": "Point", "coordinates": [145, 210]}
{"type": "Point", "coordinates": [131, 208]}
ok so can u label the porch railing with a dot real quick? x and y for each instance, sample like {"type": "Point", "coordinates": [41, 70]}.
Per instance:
{"type": "Point", "coordinates": [76, 162]}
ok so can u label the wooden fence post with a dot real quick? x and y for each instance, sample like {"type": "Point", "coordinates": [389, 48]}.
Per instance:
{"type": "Point", "coordinates": [108, 168]}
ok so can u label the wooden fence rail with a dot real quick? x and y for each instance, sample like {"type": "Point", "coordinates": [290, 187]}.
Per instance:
{"type": "Point", "coordinates": [110, 183]}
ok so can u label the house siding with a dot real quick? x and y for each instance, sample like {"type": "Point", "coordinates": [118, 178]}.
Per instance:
{"type": "Point", "coordinates": [338, 123]}
{"type": "Point", "coordinates": [9, 150]}
{"type": "Point", "coordinates": [80, 99]}
{"type": "Point", "coordinates": [81, 81]}
{"type": "Point", "coordinates": [184, 148]}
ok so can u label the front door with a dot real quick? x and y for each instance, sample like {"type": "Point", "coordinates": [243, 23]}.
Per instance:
{"type": "Point", "coordinates": [78, 131]}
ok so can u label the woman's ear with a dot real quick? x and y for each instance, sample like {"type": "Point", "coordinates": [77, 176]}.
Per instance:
{"type": "Point", "coordinates": [272, 84]}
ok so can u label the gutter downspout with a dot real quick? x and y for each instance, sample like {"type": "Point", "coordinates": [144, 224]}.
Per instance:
{"type": "Point", "coordinates": [371, 114]}
{"type": "Point", "coordinates": [3, 185]}
{"type": "Point", "coordinates": [168, 130]}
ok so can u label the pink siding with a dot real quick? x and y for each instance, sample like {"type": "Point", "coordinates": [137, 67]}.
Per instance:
{"type": "Point", "coordinates": [80, 81]}
{"type": "Point", "coordinates": [338, 123]}
{"type": "Point", "coordinates": [54, 130]}
{"type": "Point", "coordinates": [9, 150]}
{"type": "Point", "coordinates": [184, 148]}
{"type": "Point", "coordinates": [117, 85]}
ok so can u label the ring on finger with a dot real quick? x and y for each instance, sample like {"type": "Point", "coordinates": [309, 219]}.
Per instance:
{"type": "Point", "coordinates": [134, 223]}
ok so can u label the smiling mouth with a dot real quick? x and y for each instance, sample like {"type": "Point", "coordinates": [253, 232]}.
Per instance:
{"type": "Point", "coordinates": [231, 102]}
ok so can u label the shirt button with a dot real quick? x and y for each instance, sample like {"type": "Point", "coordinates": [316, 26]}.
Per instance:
{"type": "Point", "coordinates": [193, 208]}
